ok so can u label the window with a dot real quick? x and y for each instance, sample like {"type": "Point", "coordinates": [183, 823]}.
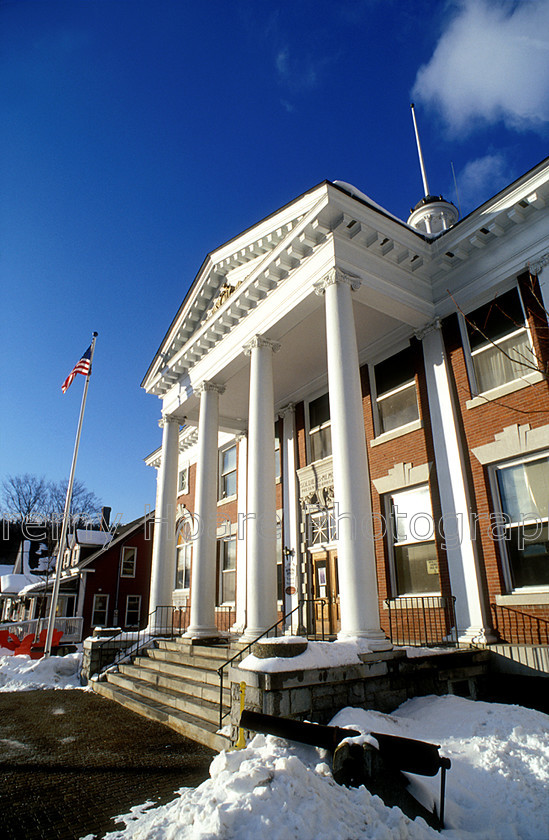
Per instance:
{"type": "Point", "coordinates": [227, 472]}
{"type": "Point", "coordinates": [414, 556]}
{"type": "Point", "coordinates": [499, 343]}
{"type": "Point", "coordinates": [133, 611]}
{"type": "Point", "coordinates": [183, 569]}
{"type": "Point", "coordinates": [524, 496]}
{"type": "Point", "coordinates": [127, 563]}
{"type": "Point", "coordinates": [322, 527]}
{"type": "Point", "coordinates": [277, 455]}
{"type": "Point", "coordinates": [279, 559]}
{"type": "Point", "coordinates": [227, 570]}
{"type": "Point", "coordinates": [100, 607]}
{"type": "Point", "coordinates": [396, 396]}
{"type": "Point", "coordinates": [320, 436]}
{"type": "Point", "coordinates": [183, 481]}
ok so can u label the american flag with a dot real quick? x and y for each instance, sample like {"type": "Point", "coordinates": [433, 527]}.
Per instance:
{"type": "Point", "coordinates": [83, 365]}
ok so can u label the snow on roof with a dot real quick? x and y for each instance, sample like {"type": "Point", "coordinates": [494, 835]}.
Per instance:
{"type": "Point", "coordinates": [13, 584]}
{"type": "Point", "coordinates": [356, 193]}
{"type": "Point", "coordinates": [84, 537]}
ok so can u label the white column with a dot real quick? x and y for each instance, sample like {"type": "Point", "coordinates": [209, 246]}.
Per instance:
{"type": "Point", "coordinates": [261, 515]}
{"type": "Point", "coordinates": [203, 574]}
{"type": "Point", "coordinates": [352, 503]}
{"type": "Point", "coordinates": [163, 554]}
{"type": "Point", "coordinates": [292, 578]}
{"type": "Point", "coordinates": [241, 542]}
{"type": "Point", "coordinates": [463, 564]}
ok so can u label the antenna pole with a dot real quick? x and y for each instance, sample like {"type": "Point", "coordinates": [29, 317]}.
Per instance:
{"type": "Point", "coordinates": [421, 163]}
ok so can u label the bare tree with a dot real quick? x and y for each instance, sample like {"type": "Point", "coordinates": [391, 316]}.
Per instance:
{"type": "Point", "coordinates": [30, 499]}
{"type": "Point", "coordinates": [24, 496]}
{"type": "Point", "coordinates": [85, 505]}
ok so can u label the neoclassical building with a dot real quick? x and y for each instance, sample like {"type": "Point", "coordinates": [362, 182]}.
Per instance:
{"type": "Point", "coordinates": [355, 412]}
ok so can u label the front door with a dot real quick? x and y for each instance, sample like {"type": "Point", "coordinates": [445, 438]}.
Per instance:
{"type": "Point", "coordinates": [326, 603]}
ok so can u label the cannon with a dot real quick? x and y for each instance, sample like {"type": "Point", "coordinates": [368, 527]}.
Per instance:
{"type": "Point", "coordinates": [380, 767]}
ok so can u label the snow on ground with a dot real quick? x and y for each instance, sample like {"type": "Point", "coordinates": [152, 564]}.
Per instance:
{"type": "Point", "coordinates": [21, 673]}
{"type": "Point", "coordinates": [496, 788]}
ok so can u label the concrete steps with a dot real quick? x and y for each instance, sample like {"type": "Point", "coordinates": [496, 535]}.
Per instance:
{"type": "Point", "coordinates": [176, 683]}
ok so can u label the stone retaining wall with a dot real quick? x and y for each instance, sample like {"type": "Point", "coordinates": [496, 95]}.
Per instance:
{"type": "Point", "coordinates": [382, 682]}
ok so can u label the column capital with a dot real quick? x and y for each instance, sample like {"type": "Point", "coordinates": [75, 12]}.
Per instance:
{"type": "Point", "coordinates": [536, 266]}
{"type": "Point", "coordinates": [435, 324]}
{"type": "Point", "coordinates": [337, 276]}
{"type": "Point", "coordinates": [286, 409]}
{"type": "Point", "coordinates": [170, 418]}
{"type": "Point", "coordinates": [260, 341]}
{"type": "Point", "coordinates": [210, 386]}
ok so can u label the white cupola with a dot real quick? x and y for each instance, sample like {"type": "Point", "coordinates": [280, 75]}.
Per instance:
{"type": "Point", "coordinates": [433, 214]}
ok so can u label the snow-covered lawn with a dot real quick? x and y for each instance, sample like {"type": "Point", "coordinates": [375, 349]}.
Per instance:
{"type": "Point", "coordinates": [21, 673]}
{"type": "Point", "coordinates": [497, 787]}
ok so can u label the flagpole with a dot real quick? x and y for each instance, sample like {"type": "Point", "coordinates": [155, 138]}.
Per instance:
{"type": "Point", "coordinates": [66, 513]}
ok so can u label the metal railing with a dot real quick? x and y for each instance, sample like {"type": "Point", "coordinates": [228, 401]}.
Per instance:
{"type": "Point", "coordinates": [517, 627]}
{"type": "Point", "coordinates": [167, 622]}
{"type": "Point", "coordinates": [71, 627]}
{"type": "Point", "coordinates": [306, 612]}
{"type": "Point", "coordinates": [422, 620]}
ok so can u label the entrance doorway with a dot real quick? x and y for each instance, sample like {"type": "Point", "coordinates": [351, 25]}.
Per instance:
{"type": "Point", "coordinates": [327, 618]}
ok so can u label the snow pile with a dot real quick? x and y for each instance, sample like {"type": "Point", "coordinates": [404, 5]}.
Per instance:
{"type": "Point", "coordinates": [497, 786]}
{"type": "Point", "coordinates": [21, 673]}
{"type": "Point", "coordinates": [317, 655]}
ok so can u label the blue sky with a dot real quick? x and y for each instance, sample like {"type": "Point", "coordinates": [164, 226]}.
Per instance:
{"type": "Point", "coordinates": [137, 135]}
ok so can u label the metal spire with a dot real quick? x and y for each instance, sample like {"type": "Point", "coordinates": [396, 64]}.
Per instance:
{"type": "Point", "coordinates": [421, 163]}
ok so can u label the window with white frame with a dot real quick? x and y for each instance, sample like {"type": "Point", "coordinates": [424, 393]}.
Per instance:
{"type": "Point", "coordinates": [523, 490]}
{"type": "Point", "coordinates": [100, 609]}
{"type": "Point", "coordinates": [499, 342]}
{"type": "Point", "coordinates": [128, 562]}
{"type": "Point", "coordinates": [183, 481]}
{"type": "Point", "coordinates": [279, 559]}
{"type": "Point", "coordinates": [320, 435]}
{"type": "Point", "coordinates": [227, 472]}
{"type": "Point", "coordinates": [322, 526]}
{"type": "Point", "coordinates": [413, 549]}
{"type": "Point", "coordinates": [277, 455]}
{"type": "Point", "coordinates": [396, 394]}
{"type": "Point", "coordinates": [227, 570]}
{"type": "Point", "coordinates": [183, 567]}
{"type": "Point", "coordinates": [133, 611]}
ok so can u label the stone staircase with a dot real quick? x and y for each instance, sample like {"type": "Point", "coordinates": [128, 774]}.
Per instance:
{"type": "Point", "coordinates": [176, 683]}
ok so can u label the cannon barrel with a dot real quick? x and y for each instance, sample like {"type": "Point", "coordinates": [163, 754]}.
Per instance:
{"type": "Point", "coordinates": [314, 734]}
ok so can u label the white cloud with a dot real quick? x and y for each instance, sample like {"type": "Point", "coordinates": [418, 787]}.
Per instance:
{"type": "Point", "coordinates": [482, 178]}
{"type": "Point", "coordinates": [299, 72]}
{"type": "Point", "coordinates": [491, 63]}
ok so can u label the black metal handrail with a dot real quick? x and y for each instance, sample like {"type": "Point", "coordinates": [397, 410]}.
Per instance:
{"type": "Point", "coordinates": [274, 627]}
{"type": "Point", "coordinates": [160, 623]}
{"type": "Point", "coordinates": [417, 620]}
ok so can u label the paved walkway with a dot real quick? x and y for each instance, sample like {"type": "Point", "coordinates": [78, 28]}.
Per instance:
{"type": "Point", "coordinates": [70, 761]}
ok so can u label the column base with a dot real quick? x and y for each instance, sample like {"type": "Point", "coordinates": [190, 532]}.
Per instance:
{"type": "Point", "coordinates": [476, 636]}
{"type": "Point", "coordinates": [375, 639]}
{"type": "Point", "coordinates": [251, 634]}
{"type": "Point", "coordinates": [201, 633]}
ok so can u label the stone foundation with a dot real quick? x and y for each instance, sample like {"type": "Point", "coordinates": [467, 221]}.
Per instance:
{"type": "Point", "coordinates": [383, 682]}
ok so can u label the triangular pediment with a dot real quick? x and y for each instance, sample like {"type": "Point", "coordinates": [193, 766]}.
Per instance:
{"type": "Point", "coordinates": [256, 259]}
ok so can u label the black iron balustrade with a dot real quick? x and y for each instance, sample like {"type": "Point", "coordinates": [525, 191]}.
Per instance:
{"type": "Point", "coordinates": [418, 620]}
{"type": "Point", "coordinates": [165, 621]}
{"type": "Point", "coordinates": [517, 627]}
